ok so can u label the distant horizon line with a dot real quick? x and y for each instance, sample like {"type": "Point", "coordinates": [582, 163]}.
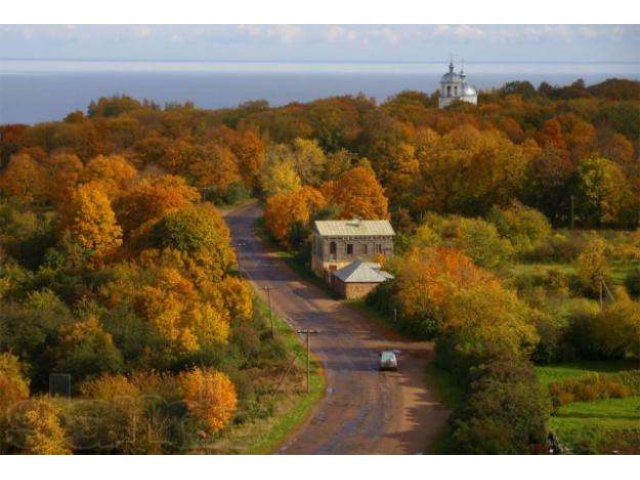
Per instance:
{"type": "Point", "coordinates": [338, 62]}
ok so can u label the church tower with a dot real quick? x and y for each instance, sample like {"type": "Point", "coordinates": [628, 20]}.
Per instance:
{"type": "Point", "coordinates": [454, 86]}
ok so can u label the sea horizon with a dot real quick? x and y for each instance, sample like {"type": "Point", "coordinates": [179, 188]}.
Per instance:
{"type": "Point", "coordinates": [33, 91]}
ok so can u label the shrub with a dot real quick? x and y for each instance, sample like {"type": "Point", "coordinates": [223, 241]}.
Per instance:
{"type": "Point", "coordinates": [616, 330]}
{"type": "Point", "coordinates": [632, 282]}
{"type": "Point", "coordinates": [475, 237]}
{"type": "Point", "coordinates": [525, 227]}
{"type": "Point", "coordinates": [597, 386]}
{"type": "Point", "coordinates": [210, 396]}
{"type": "Point", "coordinates": [506, 412]}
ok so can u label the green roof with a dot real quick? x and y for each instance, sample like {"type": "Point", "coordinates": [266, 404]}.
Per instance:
{"type": "Point", "coordinates": [354, 228]}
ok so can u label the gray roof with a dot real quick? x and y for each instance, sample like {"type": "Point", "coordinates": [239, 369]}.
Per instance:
{"type": "Point", "coordinates": [354, 228]}
{"type": "Point", "coordinates": [362, 272]}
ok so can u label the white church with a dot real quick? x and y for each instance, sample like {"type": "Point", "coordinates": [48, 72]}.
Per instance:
{"type": "Point", "coordinates": [454, 86]}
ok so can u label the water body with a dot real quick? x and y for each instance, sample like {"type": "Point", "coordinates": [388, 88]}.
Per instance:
{"type": "Point", "coordinates": [38, 91]}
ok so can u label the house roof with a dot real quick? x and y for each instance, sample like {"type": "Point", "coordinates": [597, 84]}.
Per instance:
{"type": "Point", "coordinates": [362, 272]}
{"type": "Point", "coordinates": [354, 228]}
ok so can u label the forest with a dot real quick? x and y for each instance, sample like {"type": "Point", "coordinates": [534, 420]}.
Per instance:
{"type": "Point", "coordinates": [518, 248]}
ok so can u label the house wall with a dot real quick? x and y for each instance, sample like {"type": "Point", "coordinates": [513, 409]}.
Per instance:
{"type": "Point", "coordinates": [354, 290]}
{"type": "Point", "coordinates": [364, 248]}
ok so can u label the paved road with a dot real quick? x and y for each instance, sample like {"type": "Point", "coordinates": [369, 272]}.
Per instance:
{"type": "Point", "coordinates": [364, 411]}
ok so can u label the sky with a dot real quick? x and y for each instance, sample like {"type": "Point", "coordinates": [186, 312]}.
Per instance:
{"type": "Point", "coordinates": [323, 43]}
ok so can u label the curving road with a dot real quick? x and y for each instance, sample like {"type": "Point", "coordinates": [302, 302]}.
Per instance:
{"type": "Point", "coordinates": [364, 411]}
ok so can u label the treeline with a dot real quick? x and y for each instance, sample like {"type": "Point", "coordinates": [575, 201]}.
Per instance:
{"type": "Point", "coordinates": [570, 152]}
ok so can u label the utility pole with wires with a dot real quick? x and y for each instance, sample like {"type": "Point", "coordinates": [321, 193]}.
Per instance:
{"type": "Point", "coordinates": [268, 288]}
{"type": "Point", "coordinates": [308, 332]}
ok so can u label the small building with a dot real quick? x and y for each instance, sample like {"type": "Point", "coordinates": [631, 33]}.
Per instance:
{"type": "Point", "coordinates": [337, 244]}
{"type": "Point", "coordinates": [359, 278]}
{"type": "Point", "coordinates": [454, 87]}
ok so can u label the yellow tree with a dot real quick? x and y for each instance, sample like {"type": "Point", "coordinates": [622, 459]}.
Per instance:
{"type": "Point", "coordinates": [280, 177]}
{"type": "Point", "coordinates": [91, 222]}
{"type": "Point", "coordinates": [37, 430]}
{"type": "Point", "coordinates": [210, 396]}
{"type": "Point", "coordinates": [358, 193]}
{"type": "Point", "coordinates": [114, 172]}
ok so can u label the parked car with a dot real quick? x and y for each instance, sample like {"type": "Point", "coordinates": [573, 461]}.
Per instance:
{"type": "Point", "coordinates": [388, 360]}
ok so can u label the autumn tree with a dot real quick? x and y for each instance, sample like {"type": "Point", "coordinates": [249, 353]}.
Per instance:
{"type": "Point", "coordinates": [36, 429]}
{"type": "Point", "coordinates": [199, 231]}
{"type": "Point", "coordinates": [114, 173]}
{"type": "Point", "coordinates": [309, 161]}
{"type": "Point", "coordinates": [85, 348]}
{"type": "Point", "coordinates": [287, 211]}
{"type": "Point", "coordinates": [358, 193]}
{"type": "Point", "coordinates": [603, 191]}
{"type": "Point", "coordinates": [592, 264]}
{"type": "Point", "coordinates": [23, 179]}
{"type": "Point", "coordinates": [63, 172]}
{"type": "Point", "coordinates": [91, 222]}
{"type": "Point", "coordinates": [210, 396]}
{"type": "Point", "coordinates": [151, 198]}
{"type": "Point", "coordinates": [279, 174]}
{"type": "Point", "coordinates": [14, 389]}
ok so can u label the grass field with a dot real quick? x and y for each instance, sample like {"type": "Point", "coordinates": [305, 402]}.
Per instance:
{"type": "Point", "coordinates": [602, 426]}
{"type": "Point", "coordinates": [554, 373]}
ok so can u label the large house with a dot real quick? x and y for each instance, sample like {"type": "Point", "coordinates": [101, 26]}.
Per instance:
{"type": "Point", "coordinates": [345, 253]}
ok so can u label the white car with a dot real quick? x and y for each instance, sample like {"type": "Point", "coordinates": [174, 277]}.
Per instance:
{"type": "Point", "coordinates": [388, 360]}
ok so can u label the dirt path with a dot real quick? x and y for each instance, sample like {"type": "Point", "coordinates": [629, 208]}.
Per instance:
{"type": "Point", "coordinates": [364, 411]}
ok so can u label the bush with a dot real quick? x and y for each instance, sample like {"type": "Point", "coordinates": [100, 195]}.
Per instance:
{"type": "Point", "coordinates": [525, 227]}
{"type": "Point", "coordinates": [595, 387]}
{"type": "Point", "coordinates": [506, 412]}
{"type": "Point", "coordinates": [632, 282]}
{"type": "Point", "coordinates": [475, 237]}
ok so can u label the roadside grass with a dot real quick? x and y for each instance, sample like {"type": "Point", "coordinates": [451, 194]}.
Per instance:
{"type": "Point", "coordinates": [548, 374]}
{"type": "Point", "coordinates": [451, 393]}
{"type": "Point", "coordinates": [602, 426]}
{"type": "Point", "coordinates": [288, 407]}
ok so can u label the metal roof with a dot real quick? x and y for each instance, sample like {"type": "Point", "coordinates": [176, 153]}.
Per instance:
{"type": "Point", "coordinates": [362, 272]}
{"type": "Point", "coordinates": [354, 228]}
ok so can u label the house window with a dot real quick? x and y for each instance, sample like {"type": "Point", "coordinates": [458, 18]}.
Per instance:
{"type": "Point", "coordinates": [350, 249]}
{"type": "Point", "coordinates": [379, 247]}
{"type": "Point", "coordinates": [332, 249]}
{"type": "Point", "coordinates": [448, 90]}
{"type": "Point", "coordinates": [364, 249]}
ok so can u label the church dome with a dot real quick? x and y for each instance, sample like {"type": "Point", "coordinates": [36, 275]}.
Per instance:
{"type": "Point", "coordinates": [469, 91]}
{"type": "Point", "coordinates": [451, 77]}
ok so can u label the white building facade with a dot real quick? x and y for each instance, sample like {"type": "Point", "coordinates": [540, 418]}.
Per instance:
{"type": "Point", "coordinates": [454, 87]}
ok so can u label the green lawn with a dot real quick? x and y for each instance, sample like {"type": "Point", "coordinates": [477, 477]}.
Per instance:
{"type": "Point", "coordinates": [553, 373]}
{"type": "Point", "coordinates": [600, 427]}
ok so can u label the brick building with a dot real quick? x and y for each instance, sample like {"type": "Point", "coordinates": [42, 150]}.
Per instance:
{"type": "Point", "coordinates": [337, 244]}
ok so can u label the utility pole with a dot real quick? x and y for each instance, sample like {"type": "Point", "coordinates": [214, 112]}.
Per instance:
{"type": "Point", "coordinates": [572, 211]}
{"type": "Point", "coordinates": [268, 289]}
{"type": "Point", "coordinates": [307, 332]}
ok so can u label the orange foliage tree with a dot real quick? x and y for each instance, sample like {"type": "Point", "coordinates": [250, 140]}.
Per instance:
{"type": "Point", "coordinates": [357, 193]}
{"type": "Point", "coordinates": [113, 172]}
{"type": "Point", "coordinates": [283, 211]}
{"type": "Point", "coordinates": [23, 179]}
{"type": "Point", "coordinates": [210, 395]}
{"type": "Point", "coordinates": [91, 222]}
